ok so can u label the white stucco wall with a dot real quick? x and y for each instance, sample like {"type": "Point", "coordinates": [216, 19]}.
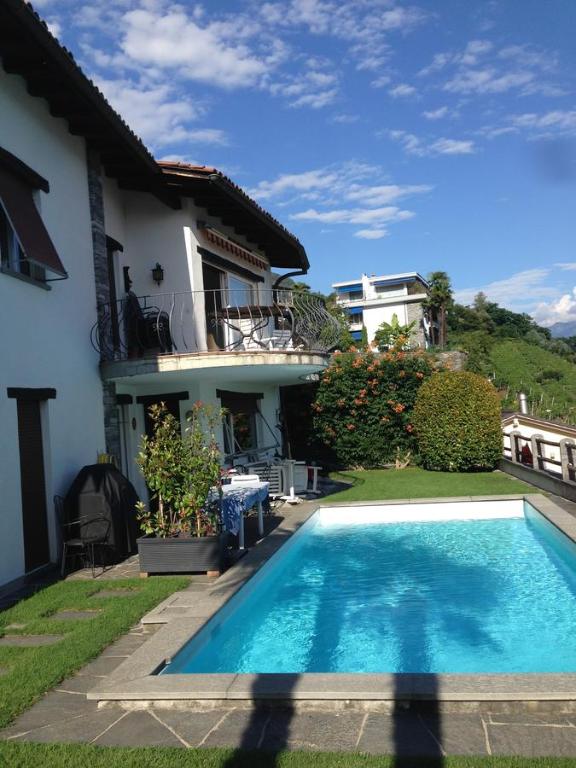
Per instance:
{"type": "Point", "coordinates": [151, 232]}
{"type": "Point", "coordinates": [205, 391]}
{"type": "Point", "coordinates": [383, 313]}
{"type": "Point", "coordinates": [45, 339]}
{"type": "Point", "coordinates": [553, 434]}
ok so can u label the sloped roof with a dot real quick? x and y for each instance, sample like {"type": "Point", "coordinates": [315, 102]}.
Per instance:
{"type": "Point", "coordinates": [213, 190]}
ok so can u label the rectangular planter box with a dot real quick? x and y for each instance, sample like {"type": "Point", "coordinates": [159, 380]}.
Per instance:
{"type": "Point", "coordinates": [193, 555]}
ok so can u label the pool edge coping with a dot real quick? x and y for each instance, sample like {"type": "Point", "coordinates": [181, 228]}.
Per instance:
{"type": "Point", "coordinates": [135, 681]}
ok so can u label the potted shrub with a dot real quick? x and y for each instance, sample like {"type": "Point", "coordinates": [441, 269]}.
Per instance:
{"type": "Point", "coordinates": [182, 529]}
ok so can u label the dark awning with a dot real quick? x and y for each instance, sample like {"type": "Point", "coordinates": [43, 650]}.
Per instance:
{"type": "Point", "coordinates": [16, 197]}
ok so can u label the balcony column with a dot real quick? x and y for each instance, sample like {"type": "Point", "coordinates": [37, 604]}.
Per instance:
{"type": "Point", "coordinates": [100, 260]}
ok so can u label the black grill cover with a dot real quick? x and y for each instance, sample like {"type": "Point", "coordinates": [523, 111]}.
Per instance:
{"type": "Point", "coordinates": [102, 491]}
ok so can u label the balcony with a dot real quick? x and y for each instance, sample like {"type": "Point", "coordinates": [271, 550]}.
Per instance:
{"type": "Point", "coordinates": [213, 323]}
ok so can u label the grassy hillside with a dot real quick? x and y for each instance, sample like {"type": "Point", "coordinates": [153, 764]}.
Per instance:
{"type": "Point", "coordinates": [548, 380]}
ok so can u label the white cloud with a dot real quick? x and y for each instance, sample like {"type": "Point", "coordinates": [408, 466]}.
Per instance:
{"type": "Point", "coordinates": [384, 193]}
{"type": "Point", "coordinates": [413, 145]}
{"type": "Point", "coordinates": [349, 193]}
{"type": "Point", "coordinates": [402, 90]}
{"type": "Point", "coordinates": [158, 115]}
{"type": "Point", "coordinates": [54, 27]}
{"type": "Point", "coordinates": [371, 234]}
{"type": "Point", "coordinates": [566, 266]}
{"type": "Point", "coordinates": [314, 88]}
{"type": "Point", "coordinates": [389, 213]}
{"type": "Point", "coordinates": [174, 40]}
{"type": "Point", "coordinates": [519, 292]}
{"type": "Point", "coordinates": [481, 69]}
{"type": "Point", "coordinates": [345, 119]}
{"type": "Point", "coordinates": [561, 311]}
{"type": "Point", "coordinates": [452, 147]}
{"type": "Point", "coordinates": [436, 114]}
{"type": "Point", "coordinates": [295, 182]}
{"type": "Point", "coordinates": [557, 121]}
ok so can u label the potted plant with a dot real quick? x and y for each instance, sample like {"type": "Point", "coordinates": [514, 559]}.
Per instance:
{"type": "Point", "coordinates": [181, 525]}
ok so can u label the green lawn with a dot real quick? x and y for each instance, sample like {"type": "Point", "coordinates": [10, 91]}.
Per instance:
{"type": "Point", "coordinates": [30, 672]}
{"type": "Point", "coordinates": [416, 483]}
{"type": "Point", "coordinates": [74, 756]}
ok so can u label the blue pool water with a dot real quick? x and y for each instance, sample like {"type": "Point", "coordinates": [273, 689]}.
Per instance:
{"type": "Point", "coordinates": [460, 596]}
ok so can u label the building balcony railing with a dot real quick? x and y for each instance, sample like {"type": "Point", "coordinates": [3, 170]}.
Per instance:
{"type": "Point", "coordinates": [214, 321]}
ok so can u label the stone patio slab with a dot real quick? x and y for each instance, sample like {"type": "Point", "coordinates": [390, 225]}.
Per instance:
{"type": "Point", "coordinates": [403, 735]}
{"type": "Point", "coordinates": [532, 740]}
{"type": "Point", "coordinates": [73, 615]}
{"type": "Point", "coordinates": [458, 734]}
{"type": "Point", "coordinates": [192, 726]}
{"type": "Point", "coordinates": [121, 592]}
{"type": "Point", "coordinates": [334, 732]}
{"type": "Point", "coordinates": [52, 708]}
{"type": "Point", "coordinates": [138, 728]}
{"type": "Point", "coordinates": [73, 730]}
{"type": "Point", "coordinates": [101, 667]}
{"type": "Point", "coordinates": [29, 641]}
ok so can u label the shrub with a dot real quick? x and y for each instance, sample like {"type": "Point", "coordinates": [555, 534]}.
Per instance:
{"type": "Point", "coordinates": [363, 408]}
{"type": "Point", "coordinates": [457, 422]}
{"type": "Point", "coordinates": [548, 375]}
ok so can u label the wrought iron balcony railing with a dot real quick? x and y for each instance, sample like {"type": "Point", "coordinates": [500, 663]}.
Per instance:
{"type": "Point", "coordinates": [214, 321]}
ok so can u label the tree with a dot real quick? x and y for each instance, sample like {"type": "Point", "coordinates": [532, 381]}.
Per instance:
{"type": "Point", "coordinates": [437, 304]}
{"type": "Point", "coordinates": [393, 335]}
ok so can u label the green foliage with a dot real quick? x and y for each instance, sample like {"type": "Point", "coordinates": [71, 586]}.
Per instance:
{"type": "Point", "coordinates": [30, 672]}
{"type": "Point", "coordinates": [418, 483]}
{"type": "Point", "coordinates": [26, 755]}
{"type": "Point", "coordinates": [364, 403]}
{"type": "Point", "coordinates": [518, 367]}
{"type": "Point", "coordinates": [438, 305]}
{"type": "Point", "coordinates": [550, 374]}
{"type": "Point", "coordinates": [180, 470]}
{"type": "Point", "coordinates": [393, 335]}
{"type": "Point", "coordinates": [457, 422]}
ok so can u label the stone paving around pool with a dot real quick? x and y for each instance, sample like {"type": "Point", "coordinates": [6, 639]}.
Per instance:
{"type": "Point", "coordinates": [65, 715]}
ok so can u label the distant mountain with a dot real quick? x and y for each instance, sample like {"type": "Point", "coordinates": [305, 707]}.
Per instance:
{"type": "Point", "coordinates": [562, 330]}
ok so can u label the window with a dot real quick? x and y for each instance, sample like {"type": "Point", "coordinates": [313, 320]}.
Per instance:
{"type": "Point", "coordinates": [26, 249]}
{"type": "Point", "coordinates": [355, 296]}
{"type": "Point", "coordinates": [12, 256]}
{"type": "Point", "coordinates": [240, 421]}
{"type": "Point", "coordinates": [240, 292]}
{"type": "Point", "coordinates": [240, 432]}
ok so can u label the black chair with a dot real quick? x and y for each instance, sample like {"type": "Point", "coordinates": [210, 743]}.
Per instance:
{"type": "Point", "coordinates": [147, 328]}
{"type": "Point", "coordinates": [81, 537]}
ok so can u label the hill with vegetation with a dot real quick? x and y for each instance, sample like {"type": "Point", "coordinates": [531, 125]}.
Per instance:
{"type": "Point", "coordinates": [519, 356]}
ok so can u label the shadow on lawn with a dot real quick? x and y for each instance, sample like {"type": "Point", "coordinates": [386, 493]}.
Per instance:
{"type": "Point", "coordinates": [400, 614]}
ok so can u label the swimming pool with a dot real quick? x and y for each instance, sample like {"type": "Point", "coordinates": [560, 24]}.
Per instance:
{"type": "Point", "coordinates": [476, 587]}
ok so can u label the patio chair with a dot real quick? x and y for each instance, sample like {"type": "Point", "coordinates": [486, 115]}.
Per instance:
{"type": "Point", "coordinates": [80, 537]}
{"type": "Point", "coordinates": [147, 328]}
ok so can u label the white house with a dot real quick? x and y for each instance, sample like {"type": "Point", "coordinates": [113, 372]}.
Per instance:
{"type": "Point", "coordinates": [123, 282]}
{"type": "Point", "coordinates": [373, 300]}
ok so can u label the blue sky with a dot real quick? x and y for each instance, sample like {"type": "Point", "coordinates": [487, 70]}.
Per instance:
{"type": "Point", "coordinates": [388, 136]}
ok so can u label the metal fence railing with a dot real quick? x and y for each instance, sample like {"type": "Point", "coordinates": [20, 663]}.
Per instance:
{"type": "Point", "coordinates": [214, 321]}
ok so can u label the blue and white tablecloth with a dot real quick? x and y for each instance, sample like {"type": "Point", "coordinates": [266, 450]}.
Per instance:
{"type": "Point", "coordinates": [237, 499]}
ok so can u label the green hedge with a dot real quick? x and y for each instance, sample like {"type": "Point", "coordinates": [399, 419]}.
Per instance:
{"type": "Point", "coordinates": [363, 408]}
{"type": "Point", "coordinates": [457, 423]}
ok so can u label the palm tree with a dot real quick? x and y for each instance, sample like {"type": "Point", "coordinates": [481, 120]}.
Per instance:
{"type": "Point", "coordinates": [438, 301]}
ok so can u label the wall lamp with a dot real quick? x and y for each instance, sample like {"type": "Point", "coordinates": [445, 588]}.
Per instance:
{"type": "Point", "coordinates": [157, 273]}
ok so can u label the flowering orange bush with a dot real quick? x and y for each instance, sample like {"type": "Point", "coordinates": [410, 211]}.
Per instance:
{"type": "Point", "coordinates": [364, 403]}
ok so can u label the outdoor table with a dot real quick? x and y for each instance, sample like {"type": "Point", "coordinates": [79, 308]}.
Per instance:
{"type": "Point", "coordinates": [239, 498]}
{"type": "Point", "coordinates": [258, 315]}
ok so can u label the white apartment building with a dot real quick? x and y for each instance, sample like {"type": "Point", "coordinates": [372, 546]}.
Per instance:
{"type": "Point", "coordinates": [123, 283]}
{"type": "Point", "coordinates": [373, 300]}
